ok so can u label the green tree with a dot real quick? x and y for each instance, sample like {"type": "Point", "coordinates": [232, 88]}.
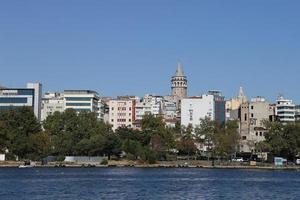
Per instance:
{"type": "Point", "coordinates": [17, 125]}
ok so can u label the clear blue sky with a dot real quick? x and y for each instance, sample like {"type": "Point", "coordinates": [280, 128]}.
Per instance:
{"type": "Point", "coordinates": [132, 46]}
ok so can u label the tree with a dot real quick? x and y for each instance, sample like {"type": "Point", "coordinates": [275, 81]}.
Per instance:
{"type": "Point", "coordinates": [283, 140]}
{"type": "Point", "coordinates": [112, 145]}
{"type": "Point", "coordinates": [16, 128]}
{"type": "Point", "coordinates": [40, 144]}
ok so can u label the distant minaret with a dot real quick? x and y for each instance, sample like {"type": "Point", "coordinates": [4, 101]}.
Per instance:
{"type": "Point", "coordinates": [179, 83]}
{"type": "Point", "coordinates": [242, 96]}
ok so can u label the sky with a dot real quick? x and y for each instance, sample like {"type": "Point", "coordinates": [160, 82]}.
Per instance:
{"type": "Point", "coordinates": [131, 47]}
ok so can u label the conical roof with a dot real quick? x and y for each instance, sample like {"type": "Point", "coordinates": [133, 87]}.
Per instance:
{"type": "Point", "coordinates": [179, 71]}
{"type": "Point", "coordinates": [242, 96]}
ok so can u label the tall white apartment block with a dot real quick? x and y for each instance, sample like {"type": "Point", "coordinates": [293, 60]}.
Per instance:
{"type": "Point", "coordinates": [285, 110]}
{"type": "Point", "coordinates": [195, 108]}
{"type": "Point", "coordinates": [121, 112]}
{"type": "Point", "coordinates": [52, 102]}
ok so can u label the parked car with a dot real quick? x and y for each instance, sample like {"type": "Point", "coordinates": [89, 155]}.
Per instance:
{"type": "Point", "coordinates": [237, 159]}
{"type": "Point", "coordinates": [298, 161]}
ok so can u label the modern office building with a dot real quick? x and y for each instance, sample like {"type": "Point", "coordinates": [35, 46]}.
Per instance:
{"type": "Point", "coordinates": [122, 112]}
{"type": "Point", "coordinates": [17, 97]}
{"type": "Point", "coordinates": [252, 118]}
{"type": "Point", "coordinates": [82, 100]}
{"type": "Point", "coordinates": [219, 105]}
{"type": "Point", "coordinates": [52, 102]}
{"type": "Point", "coordinates": [285, 110]}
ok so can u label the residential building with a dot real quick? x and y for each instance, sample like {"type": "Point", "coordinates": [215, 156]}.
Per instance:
{"type": "Point", "coordinates": [233, 106]}
{"type": "Point", "coordinates": [169, 110]}
{"type": "Point", "coordinates": [52, 102]}
{"type": "Point", "coordinates": [252, 127]}
{"type": "Point", "coordinates": [83, 100]}
{"type": "Point", "coordinates": [17, 97]}
{"type": "Point", "coordinates": [122, 112]}
{"type": "Point", "coordinates": [285, 110]}
{"type": "Point", "coordinates": [193, 109]}
{"type": "Point", "coordinates": [297, 115]}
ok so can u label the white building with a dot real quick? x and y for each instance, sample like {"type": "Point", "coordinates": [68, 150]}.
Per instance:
{"type": "Point", "coordinates": [122, 112]}
{"type": "Point", "coordinates": [83, 100]}
{"type": "Point", "coordinates": [149, 104]}
{"type": "Point", "coordinates": [195, 108]}
{"type": "Point", "coordinates": [52, 102]}
{"type": "Point", "coordinates": [17, 97]}
{"type": "Point", "coordinates": [285, 110]}
{"type": "Point", "coordinates": [297, 115]}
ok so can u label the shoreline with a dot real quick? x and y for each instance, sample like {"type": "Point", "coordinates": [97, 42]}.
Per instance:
{"type": "Point", "coordinates": [149, 166]}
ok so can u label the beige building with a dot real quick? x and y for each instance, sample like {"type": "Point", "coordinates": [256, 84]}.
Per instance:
{"type": "Point", "coordinates": [233, 105]}
{"type": "Point", "coordinates": [252, 117]}
{"type": "Point", "coordinates": [122, 112]}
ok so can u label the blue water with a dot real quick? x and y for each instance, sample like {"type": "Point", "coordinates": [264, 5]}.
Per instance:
{"type": "Point", "coordinates": [131, 183]}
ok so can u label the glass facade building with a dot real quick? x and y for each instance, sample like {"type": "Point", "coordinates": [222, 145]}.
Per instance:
{"type": "Point", "coordinates": [11, 98]}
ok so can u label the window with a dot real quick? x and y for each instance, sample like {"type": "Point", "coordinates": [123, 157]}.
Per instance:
{"type": "Point", "coordinates": [245, 117]}
{"type": "Point", "coordinates": [260, 133]}
{"type": "Point", "coordinates": [244, 138]}
{"type": "Point", "coordinates": [13, 100]}
{"type": "Point", "coordinates": [78, 98]}
{"type": "Point", "coordinates": [112, 120]}
{"type": "Point", "coordinates": [252, 115]}
{"type": "Point", "coordinates": [256, 133]}
{"type": "Point", "coordinates": [78, 104]}
{"type": "Point", "coordinates": [252, 107]}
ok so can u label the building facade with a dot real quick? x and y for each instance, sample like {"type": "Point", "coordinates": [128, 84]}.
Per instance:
{"type": "Point", "coordinates": [83, 100]}
{"type": "Point", "coordinates": [297, 115]}
{"type": "Point", "coordinates": [252, 127]}
{"type": "Point", "coordinates": [233, 106]}
{"type": "Point", "coordinates": [122, 112]}
{"type": "Point", "coordinates": [52, 102]}
{"type": "Point", "coordinates": [285, 110]}
{"type": "Point", "coordinates": [219, 106]}
{"type": "Point", "coordinates": [17, 97]}
{"type": "Point", "coordinates": [193, 109]}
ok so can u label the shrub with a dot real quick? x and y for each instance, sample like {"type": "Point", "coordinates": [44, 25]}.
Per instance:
{"type": "Point", "coordinates": [104, 162]}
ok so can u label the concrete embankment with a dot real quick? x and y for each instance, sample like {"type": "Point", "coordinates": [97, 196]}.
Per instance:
{"type": "Point", "coordinates": [136, 164]}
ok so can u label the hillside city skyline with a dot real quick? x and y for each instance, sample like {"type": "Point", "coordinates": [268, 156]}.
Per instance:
{"type": "Point", "coordinates": [235, 92]}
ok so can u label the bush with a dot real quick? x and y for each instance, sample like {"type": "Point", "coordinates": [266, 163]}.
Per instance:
{"type": "Point", "coordinates": [151, 157]}
{"type": "Point", "coordinates": [60, 158]}
{"type": "Point", "coordinates": [130, 156]}
{"type": "Point", "coordinates": [104, 162]}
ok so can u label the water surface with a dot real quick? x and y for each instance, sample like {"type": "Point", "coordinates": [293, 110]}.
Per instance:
{"type": "Point", "coordinates": [135, 183]}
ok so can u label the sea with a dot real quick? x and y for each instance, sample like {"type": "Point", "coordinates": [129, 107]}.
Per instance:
{"type": "Point", "coordinates": [146, 183]}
